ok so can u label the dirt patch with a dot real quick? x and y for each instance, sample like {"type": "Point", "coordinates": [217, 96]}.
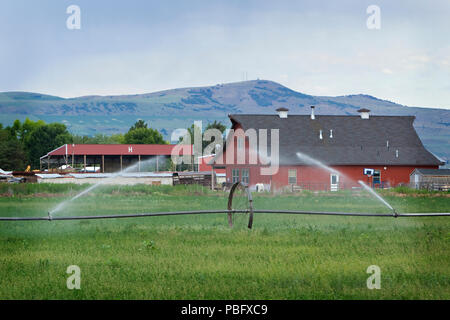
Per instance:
{"type": "Point", "coordinates": [47, 195]}
{"type": "Point", "coordinates": [6, 195]}
{"type": "Point", "coordinates": [417, 195]}
{"type": "Point", "coordinates": [33, 195]}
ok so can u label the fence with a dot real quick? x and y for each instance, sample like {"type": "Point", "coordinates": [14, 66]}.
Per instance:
{"type": "Point", "coordinates": [431, 186]}
{"type": "Point", "coordinates": [322, 186]}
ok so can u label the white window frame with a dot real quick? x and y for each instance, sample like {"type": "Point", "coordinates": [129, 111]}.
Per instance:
{"type": "Point", "coordinates": [289, 176]}
{"type": "Point", "coordinates": [334, 186]}
{"type": "Point", "coordinates": [245, 177]}
{"type": "Point", "coordinates": [233, 176]}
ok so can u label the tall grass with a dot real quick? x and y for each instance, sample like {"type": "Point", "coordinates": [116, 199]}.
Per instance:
{"type": "Point", "coordinates": [200, 257]}
{"type": "Point", "coordinates": [411, 191]}
{"type": "Point", "coordinates": [19, 189]}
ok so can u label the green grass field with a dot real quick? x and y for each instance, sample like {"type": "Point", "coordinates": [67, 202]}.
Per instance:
{"type": "Point", "coordinates": [200, 257]}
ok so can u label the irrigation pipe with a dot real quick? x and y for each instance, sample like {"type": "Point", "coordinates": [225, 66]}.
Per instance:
{"type": "Point", "coordinates": [118, 216]}
{"type": "Point", "coordinates": [175, 213]}
{"type": "Point", "coordinates": [362, 214]}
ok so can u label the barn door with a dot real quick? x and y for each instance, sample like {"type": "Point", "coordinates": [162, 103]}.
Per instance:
{"type": "Point", "coordinates": [334, 182]}
{"type": "Point", "coordinates": [416, 181]}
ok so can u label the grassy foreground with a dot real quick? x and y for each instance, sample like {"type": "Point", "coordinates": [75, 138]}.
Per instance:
{"type": "Point", "coordinates": [200, 257]}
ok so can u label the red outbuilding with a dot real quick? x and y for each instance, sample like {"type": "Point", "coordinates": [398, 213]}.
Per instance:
{"type": "Point", "coordinates": [324, 152]}
{"type": "Point", "coordinates": [114, 157]}
{"type": "Point", "coordinates": [204, 164]}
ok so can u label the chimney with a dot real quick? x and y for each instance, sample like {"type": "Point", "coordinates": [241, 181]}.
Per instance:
{"type": "Point", "coordinates": [282, 112]}
{"type": "Point", "coordinates": [364, 113]}
{"type": "Point", "coordinates": [312, 113]}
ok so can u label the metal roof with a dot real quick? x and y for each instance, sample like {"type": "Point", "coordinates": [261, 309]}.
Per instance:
{"type": "Point", "coordinates": [118, 149]}
{"type": "Point", "coordinates": [49, 175]}
{"type": "Point", "coordinates": [379, 140]}
{"type": "Point", "coordinates": [433, 172]}
{"type": "Point", "coordinates": [106, 175]}
{"type": "Point", "coordinates": [5, 173]}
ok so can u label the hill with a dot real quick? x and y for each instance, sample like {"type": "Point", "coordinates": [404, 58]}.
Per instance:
{"type": "Point", "coordinates": [178, 108]}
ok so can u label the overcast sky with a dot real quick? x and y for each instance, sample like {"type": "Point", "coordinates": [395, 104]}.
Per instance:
{"type": "Point", "coordinates": [315, 47]}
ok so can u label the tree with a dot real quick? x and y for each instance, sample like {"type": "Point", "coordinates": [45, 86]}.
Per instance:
{"type": "Point", "coordinates": [217, 125]}
{"type": "Point", "coordinates": [99, 139]}
{"type": "Point", "coordinates": [191, 132]}
{"type": "Point", "coordinates": [45, 138]}
{"type": "Point", "coordinates": [15, 143]}
{"type": "Point", "coordinates": [193, 129]}
{"type": "Point", "coordinates": [21, 131]}
{"type": "Point", "coordinates": [139, 124]}
{"type": "Point", "coordinates": [144, 136]}
{"type": "Point", "coordinates": [12, 154]}
{"type": "Point", "coordinates": [139, 133]}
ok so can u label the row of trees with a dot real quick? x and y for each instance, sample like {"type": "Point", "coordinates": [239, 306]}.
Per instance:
{"type": "Point", "coordinates": [139, 133]}
{"type": "Point", "coordinates": [22, 144]}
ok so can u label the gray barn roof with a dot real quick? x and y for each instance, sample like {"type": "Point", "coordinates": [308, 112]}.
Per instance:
{"type": "Point", "coordinates": [433, 172]}
{"type": "Point", "coordinates": [355, 141]}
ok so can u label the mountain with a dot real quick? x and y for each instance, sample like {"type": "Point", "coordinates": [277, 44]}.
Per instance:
{"type": "Point", "coordinates": [179, 108]}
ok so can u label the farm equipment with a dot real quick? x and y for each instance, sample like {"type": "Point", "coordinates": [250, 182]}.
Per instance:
{"type": "Point", "coordinates": [240, 207]}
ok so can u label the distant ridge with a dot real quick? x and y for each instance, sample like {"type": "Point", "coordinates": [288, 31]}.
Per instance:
{"type": "Point", "coordinates": [178, 108]}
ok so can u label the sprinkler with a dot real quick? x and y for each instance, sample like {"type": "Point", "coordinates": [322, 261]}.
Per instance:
{"type": "Point", "coordinates": [239, 202]}
{"type": "Point", "coordinates": [395, 213]}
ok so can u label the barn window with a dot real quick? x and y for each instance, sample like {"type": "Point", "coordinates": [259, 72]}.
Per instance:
{"type": "Point", "coordinates": [376, 177]}
{"type": "Point", "coordinates": [240, 141]}
{"type": "Point", "coordinates": [245, 176]}
{"type": "Point", "coordinates": [292, 176]}
{"type": "Point", "coordinates": [334, 179]}
{"type": "Point", "coordinates": [235, 175]}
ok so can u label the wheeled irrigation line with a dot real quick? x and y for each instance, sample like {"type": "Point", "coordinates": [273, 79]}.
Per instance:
{"type": "Point", "coordinates": [177, 213]}
{"type": "Point", "coordinates": [249, 210]}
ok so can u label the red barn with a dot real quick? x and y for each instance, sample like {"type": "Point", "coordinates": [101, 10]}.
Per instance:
{"type": "Point", "coordinates": [379, 150]}
{"type": "Point", "coordinates": [204, 164]}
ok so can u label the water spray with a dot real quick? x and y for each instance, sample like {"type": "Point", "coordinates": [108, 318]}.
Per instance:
{"type": "Point", "coordinates": [98, 184]}
{"type": "Point", "coordinates": [233, 199]}
{"type": "Point", "coordinates": [319, 164]}
{"type": "Point", "coordinates": [370, 190]}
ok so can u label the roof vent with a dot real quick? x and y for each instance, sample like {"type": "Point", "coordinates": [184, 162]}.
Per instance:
{"type": "Point", "coordinates": [282, 112]}
{"type": "Point", "coordinates": [364, 113]}
{"type": "Point", "coordinates": [312, 113]}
